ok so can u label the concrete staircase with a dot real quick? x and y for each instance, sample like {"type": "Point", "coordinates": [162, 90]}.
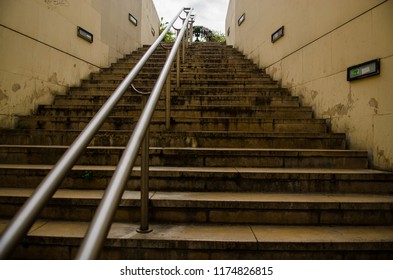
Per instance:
{"type": "Point", "coordinates": [244, 172]}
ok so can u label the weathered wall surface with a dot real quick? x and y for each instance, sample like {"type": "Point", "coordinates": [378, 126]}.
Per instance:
{"type": "Point", "coordinates": [117, 31]}
{"type": "Point", "coordinates": [41, 54]}
{"type": "Point", "coordinates": [150, 26]}
{"type": "Point", "coordinates": [322, 39]}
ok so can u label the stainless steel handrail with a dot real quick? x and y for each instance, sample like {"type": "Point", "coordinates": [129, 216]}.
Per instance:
{"type": "Point", "coordinates": [24, 219]}
{"type": "Point", "coordinates": [102, 220]}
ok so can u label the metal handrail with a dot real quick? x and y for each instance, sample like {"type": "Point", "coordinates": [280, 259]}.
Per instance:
{"type": "Point", "coordinates": [102, 220]}
{"type": "Point", "coordinates": [26, 216]}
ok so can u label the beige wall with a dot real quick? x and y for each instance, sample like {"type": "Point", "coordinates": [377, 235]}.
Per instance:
{"type": "Point", "coordinates": [322, 39]}
{"type": "Point", "coordinates": [150, 23]}
{"type": "Point", "coordinates": [40, 54]}
{"type": "Point", "coordinates": [120, 35]}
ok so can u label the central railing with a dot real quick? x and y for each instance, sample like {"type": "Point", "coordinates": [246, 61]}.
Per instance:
{"type": "Point", "coordinates": [100, 225]}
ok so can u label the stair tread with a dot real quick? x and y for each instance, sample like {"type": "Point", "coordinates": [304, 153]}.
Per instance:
{"type": "Point", "coordinates": [252, 170]}
{"type": "Point", "coordinates": [235, 133]}
{"type": "Point", "coordinates": [198, 198]}
{"type": "Point", "coordinates": [182, 107]}
{"type": "Point", "coordinates": [335, 152]}
{"type": "Point", "coordinates": [177, 119]}
{"type": "Point", "coordinates": [238, 236]}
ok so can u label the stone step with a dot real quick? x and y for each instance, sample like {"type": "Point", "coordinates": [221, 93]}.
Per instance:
{"type": "Point", "coordinates": [124, 71]}
{"type": "Point", "coordinates": [249, 91]}
{"type": "Point", "coordinates": [218, 68]}
{"type": "Point", "coordinates": [156, 57]}
{"type": "Point", "coordinates": [212, 179]}
{"type": "Point", "coordinates": [201, 62]}
{"type": "Point", "coordinates": [224, 53]}
{"type": "Point", "coordinates": [189, 55]}
{"type": "Point", "coordinates": [189, 52]}
{"type": "Point", "coordinates": [129, 65]}
{"type": "Point", "coordinates": [273, 158]}
{"type": "Point", "coordinates": [181, 124]}
{"type": "Point", "coordinates": [248, 140]}
{"type": "Point", "coordinates": [252, 82]}
{"type": "Point", "coordinates": [248, 77]}
{"type": "Point", "coordinates": [239, 65]}
{"type": "Point", "coordinates": [190, 100]}
{"type": "Point", "coordinates": [194, 139]}
{"type": "Point", "coordinates": [147, 87]}
{"type": "Point", "coordinates": [197, 157]}
{"type": "Point", "coordinates": [211, 241]}
{"type": "Point", "coordinates": [213, 207]}
{"type": "Point", "coordinates": [181, 111]}
{"type": "Point", "coordinates": [186, 91]}
{"type": "Point", "coordinates": [193, 56]}
{"type": "Point", "coordinates": [125, 68]}
{"type": "Point", "coordinates": [152, 68]}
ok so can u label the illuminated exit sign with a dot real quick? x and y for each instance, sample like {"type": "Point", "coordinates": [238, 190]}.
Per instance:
{"type": "Point", "coordinates": [364, 70]}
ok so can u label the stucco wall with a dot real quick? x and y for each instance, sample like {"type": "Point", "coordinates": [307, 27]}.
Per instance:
{"type": "Point", "coordinates": [150, 24]}
{"type": "Point", "coordinates": [118, 33]}
{"type": "Point", "coordinates": [41, 54]}
{"type": "Point", "coordinates": [322, 39]}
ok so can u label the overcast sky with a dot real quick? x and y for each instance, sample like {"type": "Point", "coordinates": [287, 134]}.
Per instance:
{"type": "Point", "coordinates": [209, 13]}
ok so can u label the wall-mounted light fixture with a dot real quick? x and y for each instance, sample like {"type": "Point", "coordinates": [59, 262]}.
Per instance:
{"type": "Point", "coordinates": [84, 34]}
{"type": "Point", "coordinates": [153, 32]}
{"type": "Point", "coordinates": [278, 34]}
{"type": "Point", "coordinates": [241, 19]}
{"type": "Point", "coordinates": [364, 70]}
{"type": "Point", "coordinates": [228, 31]}
{"type": "Point", "coordinates": [133, 19]}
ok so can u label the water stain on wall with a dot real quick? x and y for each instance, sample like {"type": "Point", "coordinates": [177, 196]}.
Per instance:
{"type": "Point", "coordinates": [16, 87]}
{"type": "Point", "coordinates": [52, 4]}
{"type": "Point", "coordinates": [3, 96]}
{"type": "Point", "coordinates": [383, 160]}
{"type": "Point", "coordinates": [53, 79]}
{"type": "Point", "coordinates": [341, 109]}
{"type": "Point", "coordinates": [374, 104]}
{"type": "Point", "coordinates": [314, 94]}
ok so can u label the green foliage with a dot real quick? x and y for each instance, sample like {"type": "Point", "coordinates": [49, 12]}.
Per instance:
{"type": "Point", "coordinates": [216, 36]}
{"type": "Point", "coordinates": [203, 34]}
{"type": "Point", "coordinates": [170, 36]}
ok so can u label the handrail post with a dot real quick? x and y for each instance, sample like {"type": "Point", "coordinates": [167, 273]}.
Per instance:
{"type": "Point", "coordinates": [144, 227]}
{"type": "Point", "coordinates": [191, 31]}
{"type": "Point", "coordinates": [178, 63]}
{"type": "Point", "coordinates": [168, 98]}
{"type": "Point", "coordinates": [184, 50]}
{"type": "Point", "coordinates": [178, 68]}
{"type": "Point", "coordinates": [187, 35]}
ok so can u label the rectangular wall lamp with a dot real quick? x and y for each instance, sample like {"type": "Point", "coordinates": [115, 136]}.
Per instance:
{"type": "Point", "coordinates": [364, 70]}
{"type": "Point", "coordinates": [153, 32]}
{"type": "Point", "coordinates": [278, 34]}
{"type": "Point", "coordinates": [84, 34]}
{"type": "Point", "coordinates": [133, 19]}
{"type": "Point", "coordinates": [241, 19]}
